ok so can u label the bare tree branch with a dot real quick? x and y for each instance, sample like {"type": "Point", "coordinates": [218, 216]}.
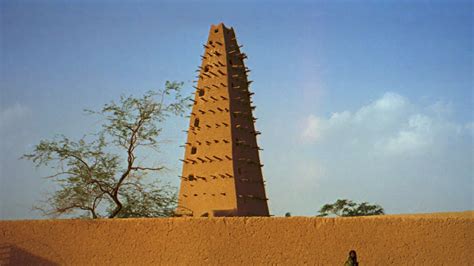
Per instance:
{"type": "Point", "coordinates": [99, 182]}
{"type": "Point", "coordinates": [137, 168]}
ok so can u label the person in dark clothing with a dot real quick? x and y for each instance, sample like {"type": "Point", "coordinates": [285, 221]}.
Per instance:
{"type": "Point", "coordinates": [352, 260]}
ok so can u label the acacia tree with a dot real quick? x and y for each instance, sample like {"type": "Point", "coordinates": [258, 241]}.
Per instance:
{"type": "Point", "coordinates": [345, 208]}
{"type": "Point", "coordinates": [102, 177]}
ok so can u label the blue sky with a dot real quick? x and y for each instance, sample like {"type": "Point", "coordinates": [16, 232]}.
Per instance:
{"type": "Point", "coordinates": [366, 100]}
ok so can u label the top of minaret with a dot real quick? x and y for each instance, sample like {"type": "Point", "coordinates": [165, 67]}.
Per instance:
{"type": "Point", "coordinates": [221, 26]}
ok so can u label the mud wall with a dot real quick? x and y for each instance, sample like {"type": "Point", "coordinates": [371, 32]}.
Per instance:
{"type": "Point", "coordinates": [412, 240]}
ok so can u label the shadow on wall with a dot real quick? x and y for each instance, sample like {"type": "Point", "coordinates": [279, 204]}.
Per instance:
{"type": "Point", "coordinates": [12, 255]}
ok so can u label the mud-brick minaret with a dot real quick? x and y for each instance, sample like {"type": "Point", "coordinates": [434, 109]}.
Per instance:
{"type": "Point", "coordinates": [222, 173]}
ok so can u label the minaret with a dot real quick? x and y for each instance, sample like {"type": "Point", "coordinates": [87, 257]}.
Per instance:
{"type": "Point", "coordinates": [222, 174]}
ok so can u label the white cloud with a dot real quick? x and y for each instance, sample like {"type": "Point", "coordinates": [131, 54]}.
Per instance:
{"type": "Point", "coordinates": [13, 113]}
{"type": "Point", "coordinates": [390, 101]}
{"type": "Point", "coordinates": [389, 125]}
{"type": "Point", "coordinates": [415, 136]}
{"type": "Point", "coordinates": [313, 128]}
{"type": "Point", "coordinates": [395, 152]}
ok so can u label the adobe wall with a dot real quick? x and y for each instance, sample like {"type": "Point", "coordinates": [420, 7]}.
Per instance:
{"type": "Point", "coordinates": [386, 240]}
{"type": "Point", "coordinates": [222, 173]}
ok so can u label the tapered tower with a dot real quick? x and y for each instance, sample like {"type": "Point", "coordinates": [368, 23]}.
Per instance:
{"type": "Point", "coordinates": [222, 173]}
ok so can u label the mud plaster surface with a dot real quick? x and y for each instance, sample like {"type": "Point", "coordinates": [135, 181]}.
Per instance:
{"type": "Point", "coordinates": [428, 239]}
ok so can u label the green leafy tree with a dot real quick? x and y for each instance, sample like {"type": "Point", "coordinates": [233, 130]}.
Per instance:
{"type": "Point", "coordinates": [100, 175]}
{"type": "Point", "coordinates": [345, 208]}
